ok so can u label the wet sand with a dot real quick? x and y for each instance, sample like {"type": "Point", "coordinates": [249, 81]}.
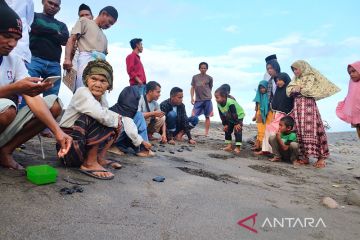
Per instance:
{"type": "Point", "coordinates": [206, 192]}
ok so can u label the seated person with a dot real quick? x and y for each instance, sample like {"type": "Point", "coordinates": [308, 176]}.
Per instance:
{"type": "Point", "coordinates": [17, 127]}
{"type": "Point", "coordinates": [231, 115]}
{"type": "Point", "coordinates": [155, 119]}
{"type": "Point", "coordinates": [134, 132]}
{"type": "Point", "coordinates": [91, 124]}
{"type": "Point", "coordinates": [284, 143]}
{"type": "Point", "coordinates": [177, 122]}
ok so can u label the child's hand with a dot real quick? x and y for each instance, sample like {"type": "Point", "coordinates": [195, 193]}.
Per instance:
{"type": "Point", "coordinates": [226, 127]}
{"type": "Point", "coordinates": [278, 134]}
{"type": "Point", "coordinates": [237, 128]}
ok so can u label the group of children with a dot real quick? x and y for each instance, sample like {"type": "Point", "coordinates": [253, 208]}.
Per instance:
{"type": "Point", "coordinates": [289, 124]}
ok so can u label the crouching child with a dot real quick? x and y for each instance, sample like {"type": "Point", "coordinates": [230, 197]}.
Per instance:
{"type": "Point", "coordinates": [284, 143]}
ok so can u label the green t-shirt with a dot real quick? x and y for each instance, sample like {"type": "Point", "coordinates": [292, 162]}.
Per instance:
{"type": "Point", "coordinates": [225, 109]}
{"type": "Point", "coordinates": [288, 138]}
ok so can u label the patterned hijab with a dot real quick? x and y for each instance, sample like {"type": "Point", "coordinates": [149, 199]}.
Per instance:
{"type": "Point", "coordinates": [281, 102]}
{"type": "Point", "coordinates": [312, 83]}
{"type": "Point", "coordinates": [99, 67]}
{"type": "Point", "coordinates": [263, 100]}
{"type": "Point", "coordinates": [349, 109]}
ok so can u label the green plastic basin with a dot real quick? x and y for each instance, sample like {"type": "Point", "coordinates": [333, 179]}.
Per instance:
{"type": "Point", "coordinates": [41, 174]}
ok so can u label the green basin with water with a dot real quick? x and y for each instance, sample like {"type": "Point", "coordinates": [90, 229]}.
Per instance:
{"type": "Point", "coordinates": [41, 174]}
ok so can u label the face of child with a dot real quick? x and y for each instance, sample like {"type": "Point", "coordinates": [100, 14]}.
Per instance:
{"type": "Point", "coordinates": [280, 83]}
{"type": "Point", "coordinates": [97, 85]}
{"type": "Point", "coordinates": [177, 99]}
{"type": "Point", "coordinates": [297, 72]}
{"type": "Point", "coordinates": [354, 75]}
{"type": "Point", "coordinates": [283, 128]}
{"type": "Point", "coordinates": [220, 99]}
{"type": "Point", "coordinates": [262, 90]}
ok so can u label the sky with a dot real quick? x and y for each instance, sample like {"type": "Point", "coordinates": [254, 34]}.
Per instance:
{"type": "Point", "coordinates": [234, 37]}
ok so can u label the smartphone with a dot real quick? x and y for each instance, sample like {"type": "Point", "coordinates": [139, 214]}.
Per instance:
{"type": "Point", "coordinates": [52, 79]}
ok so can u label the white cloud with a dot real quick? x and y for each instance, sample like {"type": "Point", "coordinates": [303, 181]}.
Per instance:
{"type": "Point", "coordinates": [232, 29]}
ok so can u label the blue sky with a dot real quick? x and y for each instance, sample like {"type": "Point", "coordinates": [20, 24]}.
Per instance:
{"type": "Point", "coordinates": [234, 38]}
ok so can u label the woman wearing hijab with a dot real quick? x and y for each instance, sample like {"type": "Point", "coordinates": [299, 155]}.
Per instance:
{"type": "Point", "coordinates": [134, 134]}
{"type": "Point", "coordinates": [348, 110]}
{"type": "Point", "coordinates": [261, 116]}
{"type": "Point", "coordinates": [91, 124]}
{"type": "Point", "coordinates": [280, 106]}
{"type": "Point", "coordinates": [308, 86]}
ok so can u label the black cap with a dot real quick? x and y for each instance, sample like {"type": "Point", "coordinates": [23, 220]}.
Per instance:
{"type": "Point", "coordinates": [111, 11]}
{"type": "Point", "coordinates": [269, 58]}
{"type": "Point", "coordinates": [10, 21]}
{"type": "Point", "coordinates": [84, 7]}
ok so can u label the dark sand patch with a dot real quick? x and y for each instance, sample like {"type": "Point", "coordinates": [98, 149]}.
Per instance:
{"type": "Point", "coordinates": [274, 170]}
{"type": "Point", "coordinates": [202, 173]}
{"type": "Point", "coordinates": [220, 156]}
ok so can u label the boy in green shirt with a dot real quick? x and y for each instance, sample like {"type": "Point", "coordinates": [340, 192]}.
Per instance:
{"type": "Point", "coordinates": [232, 115]}
{"type": "Point", "coordinates": [284, 143]}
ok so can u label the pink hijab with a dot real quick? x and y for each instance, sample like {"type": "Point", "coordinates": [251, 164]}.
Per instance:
{"type": "Point", "coordinates": [349, 109]}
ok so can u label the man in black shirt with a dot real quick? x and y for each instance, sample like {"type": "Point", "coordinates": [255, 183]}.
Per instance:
{"type": "Point", "coordinates": [46, 38]}
{"type": "Point", "coordinates": [177, 122]}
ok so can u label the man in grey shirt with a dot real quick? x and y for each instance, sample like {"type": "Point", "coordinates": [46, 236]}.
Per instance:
{"type": "Point", "coordinates": [155, 118]}
{"type": "Point", "coordinates": [201, 86]}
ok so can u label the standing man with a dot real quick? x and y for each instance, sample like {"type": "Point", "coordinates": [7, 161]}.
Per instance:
{"type": "Point", "coordinates": [18, 126]}
{"type": "Point", "coordinates": [134, 67]}
{"type": "Point", "coordinates": [154, 117]}
{"type": "Point", "coordinates": [92, 42]}
{"type": "Point", "coordinates": [46, 38]}
{"type": "Point", "coordinates": [25, 10]}
{"type": "Point", "coordinates": [201, 85]}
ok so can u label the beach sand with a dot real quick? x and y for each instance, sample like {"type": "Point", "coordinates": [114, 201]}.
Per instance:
{"type": "Point", "coordinates": [206, 192]}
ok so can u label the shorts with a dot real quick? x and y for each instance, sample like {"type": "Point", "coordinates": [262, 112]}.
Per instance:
{"type": "Point", "coordinates": [23, 116]}
{"type": "Point", "coordinates": [203, 107]}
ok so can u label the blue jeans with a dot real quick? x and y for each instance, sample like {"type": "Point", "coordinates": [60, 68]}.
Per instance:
{"type": "Point", "coordinates": [142, 89]}
{"type": "Point", "coordinates": [171, 118]}
{"type": "Point", "coordinates": [125, 142]}
{"type": "Point", "coordinates": [43, 68]}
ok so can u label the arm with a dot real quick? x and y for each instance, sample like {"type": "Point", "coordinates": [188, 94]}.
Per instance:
{"type": "Point", "coordinates": [41, 112]}
{"type": "Point", "coordinates": [63, 35]}
{"type": "Point", "coordinates": [67, 65]}
{"type": "Point", "coordinates": [233, 114]}
{"type": "Point", "coordinates": [282, 145]}
{"type": "Point", "coordinates": [192, 93]}
{"type": "Point", "coordinates": [132, 131]}
{"type": "Point", "coordinates": [222, 117]}
{"type": "Point", "coordinates": [211, 83]}
{"type": "Point", "coordinates": [84, 102]}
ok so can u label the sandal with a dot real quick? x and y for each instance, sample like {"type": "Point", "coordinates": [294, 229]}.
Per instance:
{"type": "Point", "coordinates": [113, 164]}
{"type": "Point", "coordinates": [91, 174]}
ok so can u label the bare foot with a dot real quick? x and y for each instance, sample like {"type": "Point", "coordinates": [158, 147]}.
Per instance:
{"type": "Point", "coordinates": [102, 171]}
{"type": "Point", "coordinates": [275, 159]}
{"type": "Point", "coordinates": [228, 148]}
{"type": "Point", "coordinates": [237, 151]}
{"type": "Point", "coordinates": [145, 153]}
{"type": "Point", "coordinates": [301, 162]}
{"type": "Point", "coordinates": [116, 151]}
{"type": "Point", "coordinates": [320, 163]}
{"type": "Point", "coordinates": [7, 161]}
{"type": "Point", "coordinates": [171, 142]}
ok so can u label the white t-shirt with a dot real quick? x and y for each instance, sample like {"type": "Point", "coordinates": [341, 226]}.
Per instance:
{"type": "Point", "coordinates": [12, 69]}
{"type": "Point", "coordinates": [153, 105]}
{"type": "Point", "coordinates": [25, 10]}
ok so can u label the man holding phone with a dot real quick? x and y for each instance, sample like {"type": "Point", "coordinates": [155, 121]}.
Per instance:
{"type": "Point", "coordinates": [17, 127]}
{"type": "Point", "coordinates": [155, 118]}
